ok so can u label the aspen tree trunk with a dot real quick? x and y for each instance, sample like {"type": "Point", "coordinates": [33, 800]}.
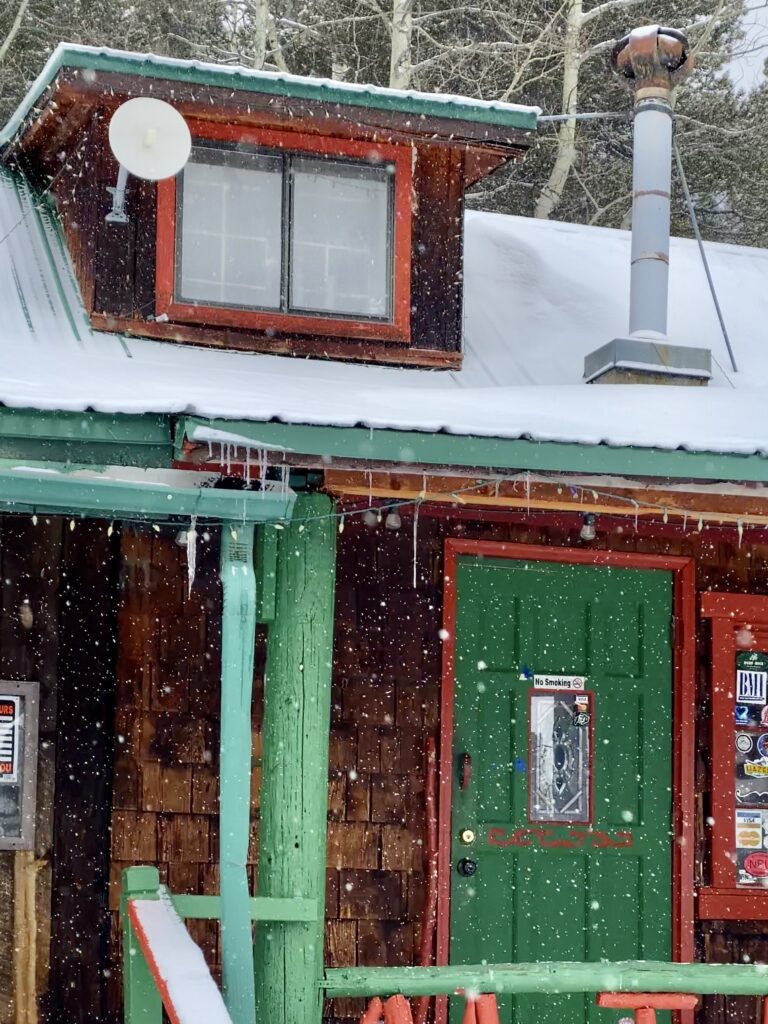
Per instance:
{"type": "Point", "coordinates": [402, 34]}
{"type": "Point", "coordinates": [260, 21]}
{"type": "Point", "coordinates": [552, 192]}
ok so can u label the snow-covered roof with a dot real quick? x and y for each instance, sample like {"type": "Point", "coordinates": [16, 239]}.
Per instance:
{"type": "Point", "coordinates": [92, 60]}
{"type": "Point", "coordinates": [539, 296]}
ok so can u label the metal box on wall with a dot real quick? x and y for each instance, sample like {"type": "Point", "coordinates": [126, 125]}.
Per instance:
{"type": "Point", "coordinates": [18, 764]}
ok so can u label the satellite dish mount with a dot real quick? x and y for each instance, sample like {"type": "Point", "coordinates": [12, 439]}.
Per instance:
{"type": "Point", "coordinates": [150, 140]}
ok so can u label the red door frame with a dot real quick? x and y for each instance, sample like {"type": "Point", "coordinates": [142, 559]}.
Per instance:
{"type": "Point", "coordinates": [684, 712]}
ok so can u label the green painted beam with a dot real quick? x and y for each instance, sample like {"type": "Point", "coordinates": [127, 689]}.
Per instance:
{"type": "Point", "coordinates": [141, 1000]}
{"type": "Point", "coordinates": [267, 538]}
{"type": "Point", "coordinates": [62, 489]}
{"type": "Point", "coordinates": [445, 450]}
{"type": "Point", "coordinates": [262, 908]}
{"type": "Point", "coordinates": [238, 637]}
{"type": "Point", "coordinates": [630, 976]}
{"type": "Point", "coordinates": [294, 789]}
{"type": "Point", "coordinates": [86, 437]}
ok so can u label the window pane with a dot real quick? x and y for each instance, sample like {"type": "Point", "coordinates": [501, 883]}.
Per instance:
{"type": "Point", "coordinates": [559, 777]}
{"type": "Point", "coordinates": [230, 237]}
{"type": "Point", "coordinates": [340, 247]}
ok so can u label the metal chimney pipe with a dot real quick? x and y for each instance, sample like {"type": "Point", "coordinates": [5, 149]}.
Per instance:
{"type": "Point", "coordinates": [652, 60]}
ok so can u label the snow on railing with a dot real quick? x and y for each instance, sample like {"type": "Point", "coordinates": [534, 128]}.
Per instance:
{"type": "Point", "coordinates": [176, 963]}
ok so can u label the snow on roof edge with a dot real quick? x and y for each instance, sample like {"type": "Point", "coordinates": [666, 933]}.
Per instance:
{"type": "Point", "coordinates": [460, 107]}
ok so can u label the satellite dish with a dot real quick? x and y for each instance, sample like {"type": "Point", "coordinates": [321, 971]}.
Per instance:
{"type": "Point", "coordinates": [149, 138]}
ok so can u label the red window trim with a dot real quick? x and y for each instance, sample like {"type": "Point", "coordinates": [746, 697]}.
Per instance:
{"type": "Point", "coordinates": [399, 329]}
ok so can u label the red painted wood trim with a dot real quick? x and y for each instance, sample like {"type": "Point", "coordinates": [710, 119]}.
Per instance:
{"type": "Point", "coordinates": [399, 329]}
{"type": "Point", "coordinates": [447, 696]}
{"type": "Point", "coordinates": [431, 854]}
{"type": "Point", "coordinates": [732, 905]}
{"type": "Point", "coordinates": [146, 949]}
{"type": "Point", "coordinates": [746, 607]}
{"type": "Point", "coordinates": [684, 736]}
{"type": "Point", "coordinates": [684, 762]}
{"type": "Point", "coordinates": [647, 1001]}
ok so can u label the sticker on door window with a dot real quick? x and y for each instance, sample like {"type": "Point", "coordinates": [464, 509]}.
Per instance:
{"type": "Point", "coordinates": [560, 740]}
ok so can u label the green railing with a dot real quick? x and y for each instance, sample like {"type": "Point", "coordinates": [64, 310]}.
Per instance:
{"type": "Point", "coordinates": [141, 998]}
{"type": "Point", "coordinates": [629, 976]}
{"type": "Point", "coordinates": [143, 1004]}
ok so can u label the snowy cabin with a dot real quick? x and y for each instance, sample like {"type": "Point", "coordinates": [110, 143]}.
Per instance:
{"type": "Point", "coordinates": [344, 617]}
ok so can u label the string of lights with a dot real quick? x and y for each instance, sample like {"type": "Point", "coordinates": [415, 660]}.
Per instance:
{"type": "Point", "coordinates": [583, 501]}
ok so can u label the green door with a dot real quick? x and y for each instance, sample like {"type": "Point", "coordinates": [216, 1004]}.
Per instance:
{"type": "Point", "coordinates": [562, 788]}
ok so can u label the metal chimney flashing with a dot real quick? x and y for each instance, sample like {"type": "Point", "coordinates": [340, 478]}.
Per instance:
{"type": "Point", "coordinates": [638, 361]}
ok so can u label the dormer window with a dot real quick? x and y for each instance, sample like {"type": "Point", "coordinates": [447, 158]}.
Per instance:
{"type": "Point", "coordinates": [275, 230]}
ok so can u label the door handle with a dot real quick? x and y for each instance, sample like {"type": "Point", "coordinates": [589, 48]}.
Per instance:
{"type": "Point", "coordinates": [465, 770]}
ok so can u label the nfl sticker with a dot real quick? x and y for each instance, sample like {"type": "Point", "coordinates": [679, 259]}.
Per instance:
{"type": "Point", "coordinates": [751, 687]}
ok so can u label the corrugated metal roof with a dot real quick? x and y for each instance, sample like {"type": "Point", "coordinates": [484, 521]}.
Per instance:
{"type": "Point", "coordinates": [539, 296]}
{"type": "Point", "coordinates": [147, 65]}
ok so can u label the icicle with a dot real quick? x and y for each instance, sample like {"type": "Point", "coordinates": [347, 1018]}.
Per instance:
{"type": "Point", "coordinates": [210, 451]}
{"type": "Point", "coordinates": [528, 491]}
{"type": "Point", "coordinates": [341, 525]}
{"type": "Point", "coordinates": [637, 512]}
{"type": "Point", "coordinates": [34, 520]}
{"type": "Point", "coordinates": [369, 474]}
{"type": "Point", "coordinates": [685, 521]}
{"type": "Point", "coordinates": [740, 528]}
{"type": "Point", "coordinates": [247, 466]}
{"type": "Point", "coordinates": [415, 542]}
{"type": "Point", "coordinates": [285, 478]}
{"type": "Point", "coordinates": [191, 554]}
{"type": "Point", "coordinates": [496, 487]}
{"type": "Point", "coordinates": [701, 523]}
{"type": "Point", "coordinates": [665, 516]}
{"type": "Point", "coordinates": [110, 529]}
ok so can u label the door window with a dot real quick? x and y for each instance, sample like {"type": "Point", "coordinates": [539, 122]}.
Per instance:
{"type": "Point", "coordinates": [560, 757]}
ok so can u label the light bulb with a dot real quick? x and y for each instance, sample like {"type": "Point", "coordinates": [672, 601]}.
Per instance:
{"type": "Point", "coordinates": [588, 531]}
{"type": "Point", "coordinates": [393, 520]}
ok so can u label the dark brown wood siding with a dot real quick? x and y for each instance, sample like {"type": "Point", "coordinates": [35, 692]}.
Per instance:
{"type": "Point", "coordinates": [57, 617]}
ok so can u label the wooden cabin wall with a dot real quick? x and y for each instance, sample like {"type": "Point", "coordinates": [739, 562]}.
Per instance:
{"type": "Point", "coordinates": [57, 603]}
{"type": "Point", "coordinates": [385, 704]}
{"type": "Point", "coordinates": [115, 263]}
{"type": "Point", "coordinates": [165, 800]}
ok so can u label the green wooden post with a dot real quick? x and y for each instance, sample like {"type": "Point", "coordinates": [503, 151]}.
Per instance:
{"type": "Point", "coordinates": [238, 633]}
{"type": "Point", "coordinates": [294, 797]}
{"type": "Point", "coordinates": [141, 1000]}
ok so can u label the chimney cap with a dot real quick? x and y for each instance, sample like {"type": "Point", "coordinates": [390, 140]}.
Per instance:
{"type": "Point", "coordinates": [652, 57]}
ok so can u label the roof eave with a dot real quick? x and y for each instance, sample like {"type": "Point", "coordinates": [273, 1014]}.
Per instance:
{"type": "Point", "coordinates": [458, 109]}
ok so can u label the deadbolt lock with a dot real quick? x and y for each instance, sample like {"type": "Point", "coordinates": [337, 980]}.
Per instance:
{"type": "Point", "coordinates": [467, 836]}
